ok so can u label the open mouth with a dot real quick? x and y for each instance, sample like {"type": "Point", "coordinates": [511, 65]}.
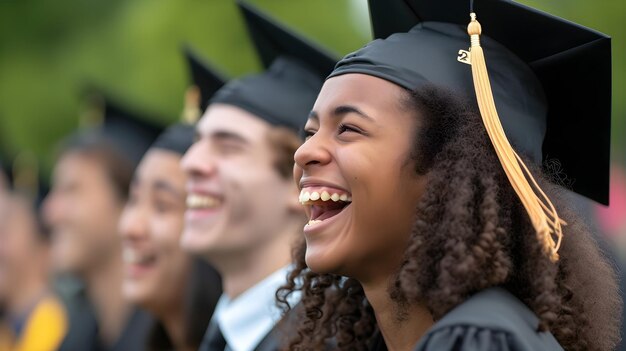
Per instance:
{"type": "Point", "coordinates": [324, 204]}
{"type": "Point", "coordinates": [202, 201]}
{"type": "Point", "coordinates": [137, 258]}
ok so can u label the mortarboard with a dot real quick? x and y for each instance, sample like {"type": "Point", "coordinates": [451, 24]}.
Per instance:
{"type": "Point", "coordinates": [28, 183]}
{"type": "Point", "coordinates": [177, 138]}
{"type": "Point", "coordinates": [534, 66]}
{"type": "Point", "coordinates": [295, 69]}
{"type": "Point", "coordinates": [206, 80]}
{"type": "Point", "coordinates": [122, 131]}
{"type": "Point", "coordinates": [538, 65]}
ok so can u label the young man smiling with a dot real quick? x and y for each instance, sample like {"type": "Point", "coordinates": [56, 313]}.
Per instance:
{"type": "Point", "coordinates": [243, 213]}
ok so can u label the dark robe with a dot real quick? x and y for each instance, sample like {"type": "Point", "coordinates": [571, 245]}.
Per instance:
{"type": "Point", "coordinates": [491, 320]}
{"type": "Point", "coordinates": [83, 326]}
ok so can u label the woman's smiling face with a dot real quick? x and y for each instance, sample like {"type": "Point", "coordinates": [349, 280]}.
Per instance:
{"type": "Point", "coordinates": [356, 177]}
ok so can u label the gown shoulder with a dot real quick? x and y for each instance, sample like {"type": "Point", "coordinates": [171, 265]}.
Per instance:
{"type": "Point", "coordinates": [491, 320]}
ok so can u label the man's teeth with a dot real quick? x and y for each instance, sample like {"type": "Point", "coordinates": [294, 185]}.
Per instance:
{"type": "Point", "coordinates": [313, 221]}
{"type": "Point", "coordinates": [133, 257]}
{"type": "Point", "coordinates": [306, 196]}
{"type": "Point", "coordinates": [201, 201]}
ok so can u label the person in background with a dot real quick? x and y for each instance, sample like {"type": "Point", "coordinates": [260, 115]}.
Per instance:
{"type": "Point", "coordinates": [179, 290]}
{"type": "Point", "coordinates": [90, 185]}
{"type": "Point", "coordinates": [34, 317]}
{"type": "Point", "coordinates": [243, 215]}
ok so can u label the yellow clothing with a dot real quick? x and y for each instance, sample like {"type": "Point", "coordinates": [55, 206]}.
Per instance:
{"type": "Point", "coordinates": [44, 329]}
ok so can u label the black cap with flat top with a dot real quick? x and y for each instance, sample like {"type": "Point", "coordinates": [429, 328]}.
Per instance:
{"type": "Point", "coordinates": [114, 127]}
{"type": "Point", "coordinates": [204, 76]}
{"type": "Point", "coordinates": [284, 93]}
{"type": "Point", "coordinates": [550, 78]}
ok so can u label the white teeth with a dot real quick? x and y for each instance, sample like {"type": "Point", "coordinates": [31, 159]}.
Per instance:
{"type": "Point", "coordinates": [129, 256]}
{"type": "Point", "coordinates": [201, 201]}
{"type": "Point", "coordinates": [313, 221]}
{"type": "Point", "coordinates": [132, 257]}
{"type": "Point", "coordinates": [306, 196]}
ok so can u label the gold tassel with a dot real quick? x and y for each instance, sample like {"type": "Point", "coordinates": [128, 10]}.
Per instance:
{"type": "Point", "coordinates": [191, 111]}
{"type": "Point", "coordinates": [542, 213]}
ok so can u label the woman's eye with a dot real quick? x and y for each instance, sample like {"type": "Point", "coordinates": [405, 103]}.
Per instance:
{"type": "Point", "coordinates": [308, 133]}
{"type": "Point", "coordinates": [346, 128]}
{"type": "Point", "coordinates": [164, 206]}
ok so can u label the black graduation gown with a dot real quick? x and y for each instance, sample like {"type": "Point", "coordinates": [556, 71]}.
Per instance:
{"type": "Point", "coordinates": [491, 320]}
{"type": "Point", "coordinates": [82, 333]}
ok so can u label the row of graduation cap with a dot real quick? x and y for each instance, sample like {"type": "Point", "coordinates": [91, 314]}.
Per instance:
{"type": "Point", "coordinates": [551, 79]}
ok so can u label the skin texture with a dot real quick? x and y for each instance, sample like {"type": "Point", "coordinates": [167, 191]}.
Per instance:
{"type": "Point", "coordinates": [150, 227]}
{"type": "Point", "coordinates": [356, 126]}
{"type": "Point", "coordinates": [83, 211]}
{"type": "Point", "coordinates": [23, 255]}
{"type": "Point", "coordinates": [156, 269]}
{"type": "Point", "coordinates": [249, 234]}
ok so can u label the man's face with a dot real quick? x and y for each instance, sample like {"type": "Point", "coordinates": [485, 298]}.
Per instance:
{"type": "Point", "coordinates": [237, 200]}
{"type": "Point", "coordinates": [82, 211]}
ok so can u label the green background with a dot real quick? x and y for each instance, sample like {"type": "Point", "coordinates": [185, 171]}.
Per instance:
{"type": "Point", "coordinates": [50, 51]}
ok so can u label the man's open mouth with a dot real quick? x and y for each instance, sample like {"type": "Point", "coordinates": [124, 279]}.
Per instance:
{"type": "Point", "coordinates": [202, 201]}
{"type": "Point", "coordinates": [324, 203]}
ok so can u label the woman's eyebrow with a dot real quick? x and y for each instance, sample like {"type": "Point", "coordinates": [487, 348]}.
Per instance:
{"type": "Point", "coordinates": [342, 110]}
{"type": "Point", "coordinates": [345, 109]}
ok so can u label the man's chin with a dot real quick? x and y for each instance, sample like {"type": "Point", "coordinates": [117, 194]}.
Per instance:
{"type": "Point", "coordinates": [196, 242]}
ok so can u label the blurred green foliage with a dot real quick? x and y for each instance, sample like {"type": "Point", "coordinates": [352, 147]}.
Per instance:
{"type": "Point", "coordinates": [50, 51]}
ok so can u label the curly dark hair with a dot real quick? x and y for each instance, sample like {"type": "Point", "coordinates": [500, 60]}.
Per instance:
{"type": "Point", "coordinates": [471, 233]}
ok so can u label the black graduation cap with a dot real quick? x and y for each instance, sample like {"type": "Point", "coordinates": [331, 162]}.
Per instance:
{"type": "Point", "coordinates": [177, 138]}
{"type": "Point", "coordinates": [551, 78]}
{"type": "Point", "coordinates": [206, 81]}
{"type": "Point", "coordinates": [295, 68]}
{"type": "Point", "coordinates": [120, 129]}
{"type": "Point", "coordinates": [131, 134]}
{"type": "Point", "coordinates": [204, 76]}
{"type": "Point", "coordinates": [28, 183]}
{"type": "Point", "coordinates": [5, 173]}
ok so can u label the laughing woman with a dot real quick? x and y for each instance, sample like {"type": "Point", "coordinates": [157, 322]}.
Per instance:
{"type": "Point", "coordinates": [180, 291]}
{"type": "Point", "coordinates": [425, 229]}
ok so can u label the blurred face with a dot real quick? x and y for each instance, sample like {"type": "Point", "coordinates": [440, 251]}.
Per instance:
{"type": "Point", "coordinates": [356, 178]}
{"type": "Point", "coordinates": [155, 266]}
{"type": "Point", "coordinates": [4, 215]}
{"type": "Point", "coordinates": [22, 252]}
{"type": "Point", "coordinates": [83, 212]}
{"type": "Point", "coordinates": [237, 200]}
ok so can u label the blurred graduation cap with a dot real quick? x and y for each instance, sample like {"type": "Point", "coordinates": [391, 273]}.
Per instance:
{"type": "Point", "coordinates": [550, 78]}
{"type": "Point", "coordinates": [111, 125]}
{"type": "Point", "coordinates": [206, 80]}
{"type": "Point", "coordinates": [284, 93]}
{"type": "Point", "coordinates": [28, 183]}
{"type": "Point", "coordinates": [5, 173]}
